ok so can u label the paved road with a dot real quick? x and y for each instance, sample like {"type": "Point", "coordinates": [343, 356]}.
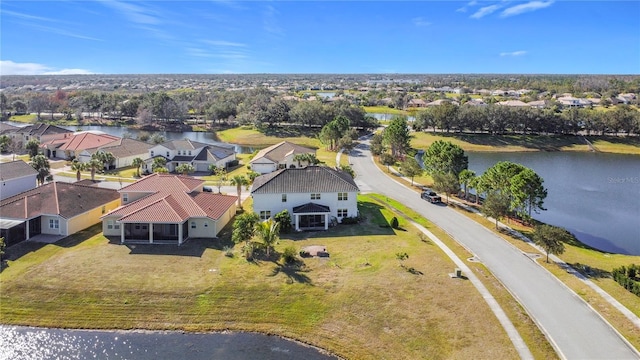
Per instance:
{"type": "Point", "coordinates": [574, 328]}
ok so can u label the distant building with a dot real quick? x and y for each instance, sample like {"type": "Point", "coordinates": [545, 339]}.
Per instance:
{"type": "Point", "coordinates": [279, 156]}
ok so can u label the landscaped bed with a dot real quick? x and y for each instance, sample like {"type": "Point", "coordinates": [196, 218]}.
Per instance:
{"type": "Point", "coordinates": [360, 303]}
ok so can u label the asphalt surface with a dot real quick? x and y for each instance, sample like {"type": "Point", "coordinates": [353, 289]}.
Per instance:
{"type": "Point", "coordinates": [575, 330]}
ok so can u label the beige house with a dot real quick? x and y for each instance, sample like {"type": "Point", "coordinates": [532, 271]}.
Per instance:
{"type": "Point", "coordinates": [56, 208]}
{"type": "Point", "coordinates": [279, 156]}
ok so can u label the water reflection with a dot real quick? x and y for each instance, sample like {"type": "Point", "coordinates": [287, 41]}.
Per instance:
{"type": "Point", "coordinates": [18, 343]}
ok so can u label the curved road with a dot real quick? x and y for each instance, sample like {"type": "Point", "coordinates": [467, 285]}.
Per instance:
{"type": "Point", "coordinates": [575, 330]}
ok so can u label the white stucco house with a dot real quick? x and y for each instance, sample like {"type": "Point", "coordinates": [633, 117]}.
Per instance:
{"type": "Point", "coordinates": [200, 155]}
{"type": "Point", "coordinates": [16, 177]}
{"type": "Point", "coordinates": [279, 156]}
{"type": "Point", "coordinates": [313, 195]}
{"type": "Point", "coordinates": [123, 150]}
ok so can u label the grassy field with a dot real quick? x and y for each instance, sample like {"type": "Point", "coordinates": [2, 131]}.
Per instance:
{"type": "Point", "coordinates": [28, 118]}
{"type": "Point", "coordinates": [507, 143]}
{"type": "Point", "coordinates": [384, 110]}
{"type": "Point", "coordinates": [359, 303]}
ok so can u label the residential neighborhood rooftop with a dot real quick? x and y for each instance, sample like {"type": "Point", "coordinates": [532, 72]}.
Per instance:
{"type": "Point", "coordinates": [15, 169]}
{"type": "Point", "coordinates": [278, 151]}
{"type": "Point", "coordinates": [308, 179]}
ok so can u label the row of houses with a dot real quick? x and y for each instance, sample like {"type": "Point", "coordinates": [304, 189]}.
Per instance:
{"type": "Point", "coordinates": [169, 208]}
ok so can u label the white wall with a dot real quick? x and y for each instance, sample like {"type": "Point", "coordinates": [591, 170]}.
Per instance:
{"type": "Point", "coordinates": [273, 202]}
{"type": "Point", "coordinates": [16, 186]}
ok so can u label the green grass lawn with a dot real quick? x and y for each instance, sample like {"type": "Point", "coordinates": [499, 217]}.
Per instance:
{"type": "Point", "coordinates": [28, 118]}
{"type": "Point", "coordinates": [384, 110]}
{"type": "Point", "coordinates": [359, 303]}
{"type": "Point", "coordinates": [249, 136]}
{"type": "Point", "coordinates": [507, 143]}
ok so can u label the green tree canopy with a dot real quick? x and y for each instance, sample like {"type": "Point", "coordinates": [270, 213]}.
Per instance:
{"type": "Point", "coordinates": [41, 164]}
{"type": "Point", "coordinates": [411, 168]}
{"type": "Point", "coordinates": [269, 232]}
{"type": "Point", "coordinates": [244, 227]}
{"type": "Point", "coordinates": [445, 157]}
{"type": "Point", "coordinates": [551, 239]}
{"type": "Point", "coordinates": [496, 205]}
{"type": "Point", "coordinates": [397, 136]}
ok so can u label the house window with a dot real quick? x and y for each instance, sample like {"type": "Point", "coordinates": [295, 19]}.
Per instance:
{"type": "Point", "coordinates": [189, 152]}
{"type": "Point", "coordinates": [264, 215]}
{"type": "Point", "coordinates": [343, 213]}
{"type": "Point", "coordinates": [125, 197]}
{"type": "Point", "coordinates": [109, 224]}
{"type": "Point", "coordinates": [116, 226]}
{"type": "Point", "coordinates": [206, 224]}
{"type": "Point", "coordinates": [193, 224]}
{"type": "Point", "coordinates": [137, 226]}
{"type": "Point", "coordinates": [342, 196]}
{"type": "Point", "coordinates": [54, 224]}
{"type": "Point", "coordinates": [167, 154]}
{"type": "Point", "coordinates": [151, 153]}
{"type": "Point", "coordinates": [145, 227]}
{"type": "Point", "coordinates": [284, 197]}
{"type": "Point", "coordinates": [315, 196]}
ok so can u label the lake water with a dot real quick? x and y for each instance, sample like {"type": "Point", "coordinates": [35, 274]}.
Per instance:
{"type": "Point", "coordinates": [17, 343]}
{"type": "Point", "coordinates": [596, 196]}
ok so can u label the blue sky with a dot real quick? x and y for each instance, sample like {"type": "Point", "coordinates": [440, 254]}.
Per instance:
{"type": "Point", "coordinates": [209, 36]}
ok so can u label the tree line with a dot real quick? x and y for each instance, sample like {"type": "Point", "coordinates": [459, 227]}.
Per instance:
{"type": "Point", "coordinates": [499, 119]}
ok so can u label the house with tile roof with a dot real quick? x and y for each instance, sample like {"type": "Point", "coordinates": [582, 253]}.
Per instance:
{"type": "Point", "coordinates": [38, 131]}
{"type": "Point", "coordinates": [200, 155]}
{"type": "Point", "coordinates": [123, 150]}
{"type": "Point", "coordinates": [166, 208]}
{"type": "Point", "coordinates": [313, 195]}
{"type": "Point", "coordinates": [56, 208]}
{"type": "Point", "coordinates": [16, 177]}
{"type": "Point", "coordinates": [71, 145]}
{"type": "Point", "coordinates": [279, 156]}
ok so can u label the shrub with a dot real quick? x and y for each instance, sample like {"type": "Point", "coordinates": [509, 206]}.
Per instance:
{"type": "Point", "coordinates": [626, 277]}
{"type": "Point", "coordinates": [228, 251]}
{"type": "Point", "coordinates": [350, 220]}
{"type": "Point", "coordinates": [289, 255]}
{"type": "Point", "coordinates": [284, 218]}
{"type": "Point", "coordinates": [233, 163]}
{"type": "Point", "coordinates": [304, 254]}
{"type": "Point", "coordinates": [394, 222]}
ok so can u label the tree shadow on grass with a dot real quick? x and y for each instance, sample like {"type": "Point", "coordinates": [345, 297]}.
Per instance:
{"type": "Point", "coordinates": [590, 272]}
{"type": "Point", "coordinates": [192, 247]}
{"type": "Point", "coordinates": [295, 272]}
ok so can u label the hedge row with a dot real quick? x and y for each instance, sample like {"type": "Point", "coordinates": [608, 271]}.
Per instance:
{"type": "Point", "coordinates": [627, 276]}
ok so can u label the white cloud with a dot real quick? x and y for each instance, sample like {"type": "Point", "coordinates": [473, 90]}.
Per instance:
{"type": "Point", "coordinates": [420, 21]}
{"type": "Point", "coordinates": [133, 12]}
{"type": "Point", "coordinates": [513, 53]}
{"type": "Point", "coordinates": [467, 6]}
{"type": "Point", "coordinates": [270, 21]}
{"type": "Point", "coordinates": [484, 11]}
{"type": "Point", "coordinates": [8, 67]}
{"type": "Point", "coordinates": [523, 8]}
{"type": "Point", "coordinates": [223, 43]}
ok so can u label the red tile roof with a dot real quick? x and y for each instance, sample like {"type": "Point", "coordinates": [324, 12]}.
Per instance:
{"type": "Point", "coordinates": [171, 199]}
{"type": "Point", "coordinates": [80, 141]}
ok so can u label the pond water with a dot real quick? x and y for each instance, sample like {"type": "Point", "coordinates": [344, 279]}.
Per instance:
{"type": "Point", "coordinates": [17, 343]}
{"type": "Point", "coordinates": [596, 196]}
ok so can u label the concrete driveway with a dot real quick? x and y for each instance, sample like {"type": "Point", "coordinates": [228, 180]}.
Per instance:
{"type": "Point", "coordinates": [574, 329]}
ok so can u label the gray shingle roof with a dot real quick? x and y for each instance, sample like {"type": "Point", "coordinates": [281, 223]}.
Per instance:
{"type": "Point", "coordinates": [311, 179]}
{"type": "Point", "coordinates": [311, 208]}
{"type": "Point", "coordinates": [16, 169]}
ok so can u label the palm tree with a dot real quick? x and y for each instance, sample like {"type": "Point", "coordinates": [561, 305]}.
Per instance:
{"type": "Point", "coordinates": [239, 181]}
{"type": "Point", "coordinates": [41, 164]}
{"type": "Point", "coordinates": [93, 165]}
{"type": "Point", "coordinates": [137, 162]}
{"type": "Point", "coordinates": [78, 167]}
{"type": "Point", "coordinates": [269, 232]}
{"type": "Point", "coordinates": [185, 169]}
